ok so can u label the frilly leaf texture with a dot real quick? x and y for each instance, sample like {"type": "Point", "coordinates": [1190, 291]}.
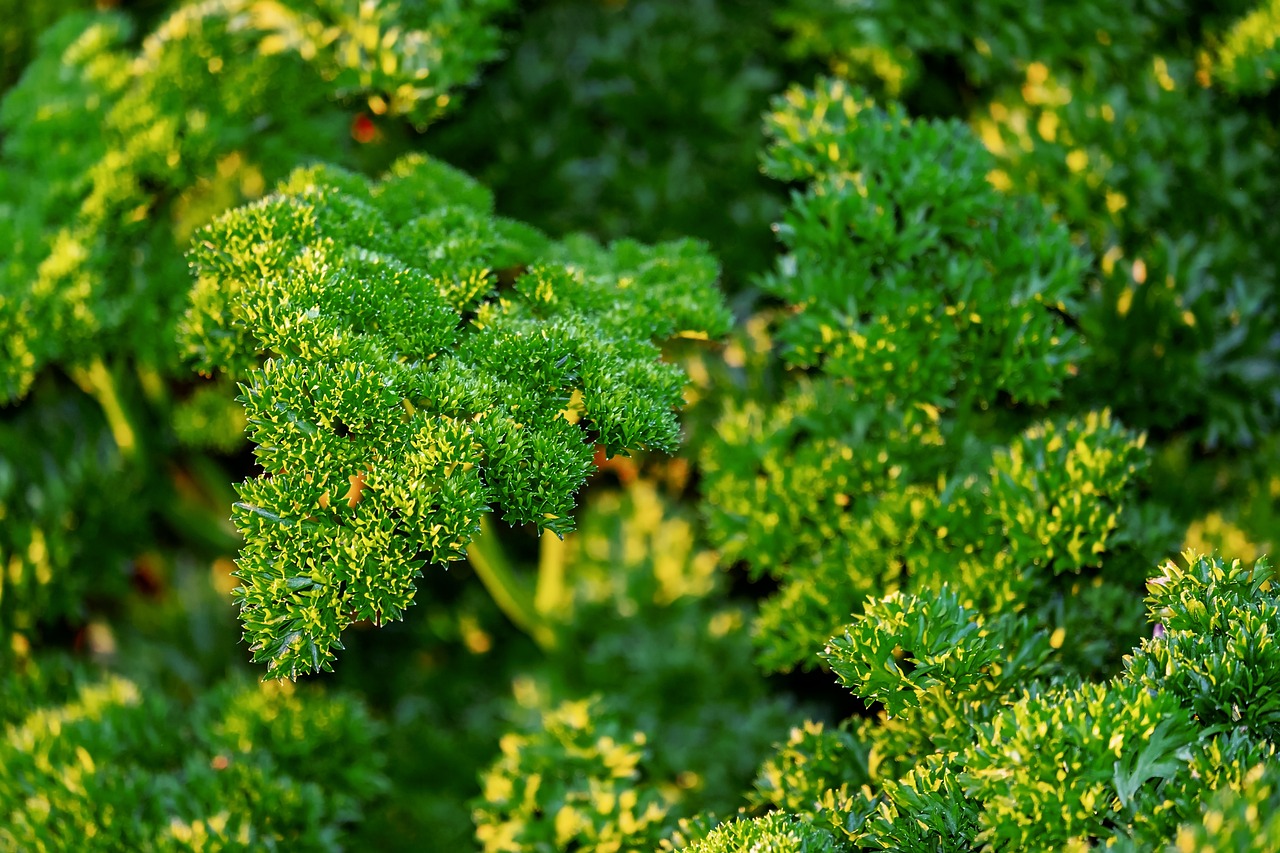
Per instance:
{"type": "Point", "coordinates": [409, 361]}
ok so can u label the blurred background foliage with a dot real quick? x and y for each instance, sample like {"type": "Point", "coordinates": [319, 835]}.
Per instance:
{"type": "Point", "coordinates": [639, 119]}
{"type": "Point", "coordinates": [1147, 129]}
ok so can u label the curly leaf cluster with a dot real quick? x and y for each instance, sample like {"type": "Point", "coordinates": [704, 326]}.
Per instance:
{"type": "Point", "coordinates": [912, 278]}
{"type": "Point", "coordinates": [924, 809]}
{"type": "Point", "coordinates": [1053, 512]}
{"type": "Point", "coordinates": [1216, 647]}
{"type": "Point", "coordinates": [103, 763]}
{"type": "Point", "coordinates": [840, 516]}
{"type": "Point", "coordinates": [815, 762]}
{"type": "Point", "coordinates": [113, 157]}
{"type": "Point", "coordinates": [395, 393]}
{"type": "Point", "coordinates": [946, 649]}
{"type": "Point", "coordinates": [574, 782]}
{"type": "Point", "coordinates": [774, 833]}
{"type": "Point", "coordinates": [982, 745]}
{"type": "Point", "coordinates": [937, 669]}
{"type": "Point", "coordinates": [1081, 755]}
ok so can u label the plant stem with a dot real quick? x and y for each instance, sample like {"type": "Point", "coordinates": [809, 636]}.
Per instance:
{"type": "Point", "coordinates": [97, 381]}
{"type": "Point", "coordinates": [512, 597]}
{"type": "Point", "coordinates": [549, 592]}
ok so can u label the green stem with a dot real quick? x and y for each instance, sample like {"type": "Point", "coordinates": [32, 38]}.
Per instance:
{"type": "Point", "coordinates": [97, 381]}
{"type": "Point", "coordinates": [494, 570]}
{"type": "Point", "coordinates": [152, 384]}
{"type": "Point", "coordinates": [549, 594]}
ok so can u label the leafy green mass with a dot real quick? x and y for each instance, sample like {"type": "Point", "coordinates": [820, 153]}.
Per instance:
{"type": "Point", "coordinates": [403, 390]}
{"type": "Point", "coordinates": [618, 426]}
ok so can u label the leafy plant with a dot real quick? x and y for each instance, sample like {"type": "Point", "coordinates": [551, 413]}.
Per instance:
{"type": "Point", "coordinates": [1038, 762]}
{"type": "Point", "coordinates": [112, 154]}
{"type": "Point", "coordinates": [649, 711]}
{"type": "Point", "coordinates": [102, 763]}
{"type": "Point", "coordinates": [880, 586]}
{"type": "Point", "coordinates": [882, 464]}
{"type": "Point", "coordinates": [403, 397]}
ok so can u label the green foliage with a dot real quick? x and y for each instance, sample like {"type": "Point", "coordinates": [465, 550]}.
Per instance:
{"type": "Point", "coordinates": [1113, 116]}
{"type": "Point", "coordinates": [58, 465]}
{"type": "Point", "coordinates": [1215, 649]}
{"type": "Point", "coordinates": [402, 397]}
{"type": "Point", "coordinates": [886, 462]}
{"type": "Point", "coordinates": [80, 72]}
{"type": "Point", "coordinates": [640, 626]}
{"type": "Point", "coordinates": [639, 119]}
{"type": "Point", "coordinates": [1018, 344]}
{"type": "Point", "coordinates": [403, 57]}
{"type": "Point", "coordinates": [575, 783]}
{"type": "Point", "coordinates": [774, 833]}
{"type": "Point", "coordinates": [210, 418]}
{"type": "Point", "coordinates": [1248, 59]}
{"type": "Point", "coordinates": [102, 763]}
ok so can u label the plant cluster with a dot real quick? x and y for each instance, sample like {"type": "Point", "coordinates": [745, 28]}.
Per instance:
{"type": "Point", "coordinates": [95, 762]}
{"type": "Point", "coordinates": [113, 154]}
{"type": "Point", "coordinates": [446, 349]}
{"type": "Point", "coordinates": [927, 332]}
{"type": "Point", "coordinates": [1020, 759]}
{"type": "Point", "coordinates": [402, 396]}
